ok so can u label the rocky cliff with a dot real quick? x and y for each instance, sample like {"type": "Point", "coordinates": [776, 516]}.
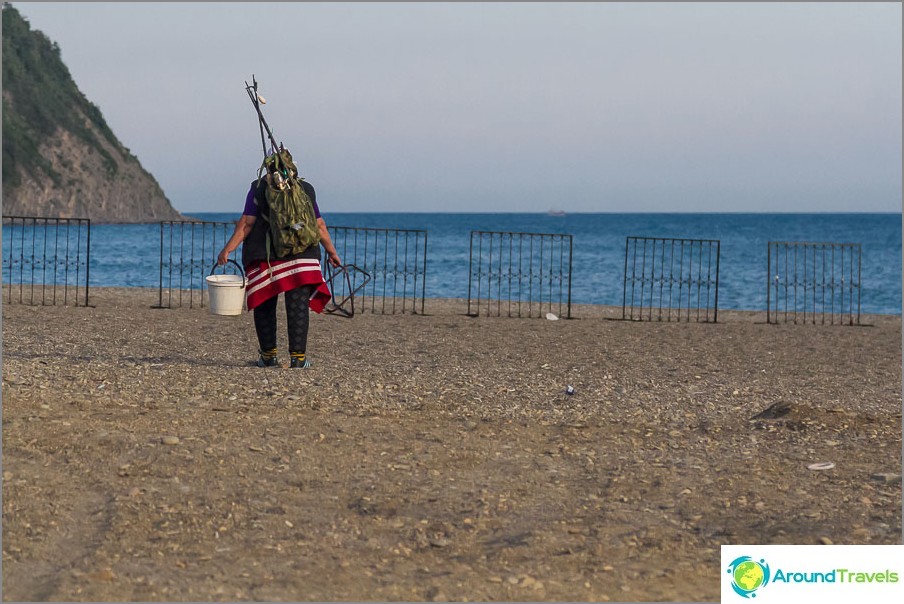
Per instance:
{"type": "Point", "coordinates": [60, 159]}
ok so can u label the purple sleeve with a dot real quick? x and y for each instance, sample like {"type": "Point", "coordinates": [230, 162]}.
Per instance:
{"type": "Point", "coordinates": [251, 208]}
{"type": "Point", "coordinates": [312, 193]}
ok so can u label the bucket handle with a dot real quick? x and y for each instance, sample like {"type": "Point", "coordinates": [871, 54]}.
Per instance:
{"type": "Point", "coordinates": [237, 266]}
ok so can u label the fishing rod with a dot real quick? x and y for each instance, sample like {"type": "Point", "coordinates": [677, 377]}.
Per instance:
{"type": "Point", "coordinates": [254, 98]}
{"type": "Point", "coordinates": [257, 100]}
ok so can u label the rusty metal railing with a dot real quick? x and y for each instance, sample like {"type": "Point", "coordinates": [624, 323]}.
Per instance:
{"type": "Point", "coordinates": [46, 261]}
{"type": "Point", "coordinates": [806, 282]}
{"type": "Point", "coordinates": [188, 250]}
{"type": "Point", "coordinates": [519, 274]}
{"type": "Point", "coordinates": [671, 279]}
{"type": "Point", "coordinates": [393, 265]}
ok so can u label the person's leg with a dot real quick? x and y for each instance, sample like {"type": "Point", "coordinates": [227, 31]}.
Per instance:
{"type": "Point", "coordinates": [265, 326]}
{"type": "Point", "coordinates": [297, 320]}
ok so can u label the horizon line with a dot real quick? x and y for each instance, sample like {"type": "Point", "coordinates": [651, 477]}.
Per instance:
{"type": "Point", "coordinates": [564, 213]}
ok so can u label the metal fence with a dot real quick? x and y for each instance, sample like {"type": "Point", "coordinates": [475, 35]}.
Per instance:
{"type": "Point", "coordinates": [393, 265]}
{"type": "Point", "coordinates": [812, 282]}
{"type": "Point", "coordinates": [671, 279]}
{"type": "Point", "coordinates": [188, 251]}
{"type": "Point", "coordinates": [46, 261]}
{"type": "Point", "coordinates": [345, 283]}
{"type": "Point", "coordinates": [519, 274]}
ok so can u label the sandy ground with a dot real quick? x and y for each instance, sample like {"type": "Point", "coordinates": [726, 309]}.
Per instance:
{"type": "Point", "coordinates": [432, 457]}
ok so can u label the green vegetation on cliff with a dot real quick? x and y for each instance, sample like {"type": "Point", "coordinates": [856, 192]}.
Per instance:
{"type": "Point", "coordinates": [39, 96]}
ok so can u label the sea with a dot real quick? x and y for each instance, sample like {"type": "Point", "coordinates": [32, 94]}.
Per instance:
{"type": "Point", "coordinates": [128, 255]}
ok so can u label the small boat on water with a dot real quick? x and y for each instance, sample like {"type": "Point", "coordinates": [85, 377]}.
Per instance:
{"type": "Point", "coordinates": [556, 213]}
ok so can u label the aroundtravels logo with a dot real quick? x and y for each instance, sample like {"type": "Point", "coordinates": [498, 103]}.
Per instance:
{"type": "Point", "coordinates": [748, 575]}
{"type": "Point", "coordinates": [803, 573]}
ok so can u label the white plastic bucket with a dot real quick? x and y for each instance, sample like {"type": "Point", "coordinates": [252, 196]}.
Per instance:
{"type": "Point", "coordinates": [226, 292]}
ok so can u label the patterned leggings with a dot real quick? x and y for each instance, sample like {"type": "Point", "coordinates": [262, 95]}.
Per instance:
{"type": "Point", "coordinates": [297, 315]}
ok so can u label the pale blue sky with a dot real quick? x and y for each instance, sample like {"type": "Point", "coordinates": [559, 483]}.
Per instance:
{"type": "Point", "coordinates": [586, 107]}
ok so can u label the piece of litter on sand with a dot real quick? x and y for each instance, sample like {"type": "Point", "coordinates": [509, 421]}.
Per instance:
{"type": "Point", "coordinates": [569, 389]}
{"type": "Point", "coordinates": [551, 317]}
{"type": "Point", "coordinates": [886, 477]}
{"type": "Point", "coordinates": [823, 465]}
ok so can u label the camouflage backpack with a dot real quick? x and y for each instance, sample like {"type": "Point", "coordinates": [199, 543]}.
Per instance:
{"type": "Point", "coordinates": [292, 224]}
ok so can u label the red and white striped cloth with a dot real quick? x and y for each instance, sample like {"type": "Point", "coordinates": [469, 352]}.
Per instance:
{"type": "Point", "coordinates": [267, 280]}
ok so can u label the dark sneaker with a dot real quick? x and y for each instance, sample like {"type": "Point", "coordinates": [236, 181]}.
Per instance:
{"type": "Point", "coordinates": [271, 362]}
{"type": "Point", "coordinates": [297, 364]}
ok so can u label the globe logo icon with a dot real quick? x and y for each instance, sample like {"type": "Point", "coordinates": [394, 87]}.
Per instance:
{"type": "Point", "coordinates": [748, 575]}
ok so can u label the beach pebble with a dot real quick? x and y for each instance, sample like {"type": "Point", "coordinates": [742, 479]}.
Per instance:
{"type": "Point", "coordinates": [105, 574]}
{"type": "Point", "coordinates": [551, 317]}
{"type": "Point", "coordinates": [170, 440]}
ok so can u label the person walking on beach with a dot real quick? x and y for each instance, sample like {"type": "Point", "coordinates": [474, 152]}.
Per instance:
{"type": "Point", "coordinates": [298, 275]}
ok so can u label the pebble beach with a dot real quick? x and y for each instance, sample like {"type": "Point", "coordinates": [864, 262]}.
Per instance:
{"type": "Point", "coordinates": [432, 457]}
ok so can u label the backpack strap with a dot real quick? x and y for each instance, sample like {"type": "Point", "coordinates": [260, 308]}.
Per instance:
{"type": "Point", "coordinates": [263, 214]}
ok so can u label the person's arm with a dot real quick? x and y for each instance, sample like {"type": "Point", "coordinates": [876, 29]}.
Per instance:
{"type": "Point", "coordinates": [242, 228]}
{"type": "Point", "coordinates": [327, 243]}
